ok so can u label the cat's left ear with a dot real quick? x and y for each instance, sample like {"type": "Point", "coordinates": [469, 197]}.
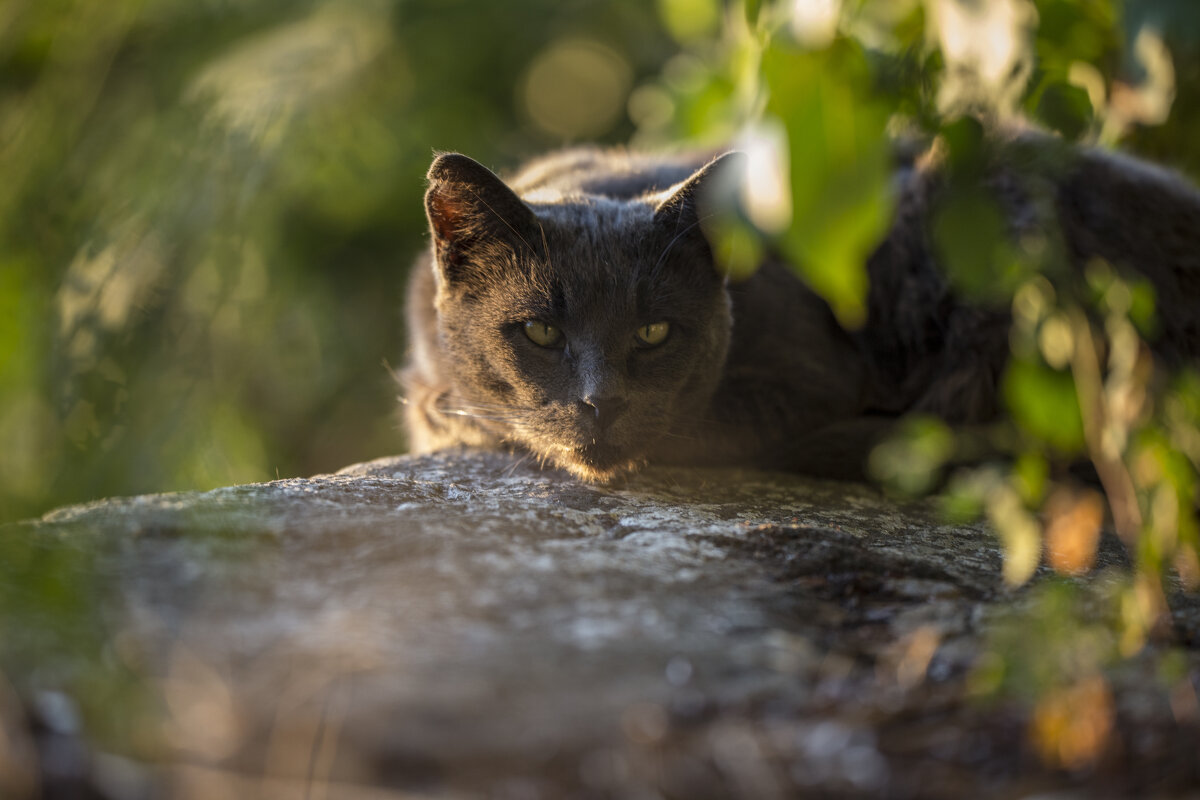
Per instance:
{"type": "Point", "coordinates": [470, 209]}
{"type": "Point", "coordinates": [691, 200]}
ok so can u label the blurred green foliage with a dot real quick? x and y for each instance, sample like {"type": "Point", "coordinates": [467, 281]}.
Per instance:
{"type": "Point", "coordinates": [208, 210]}
{"type": "Point", "coordinates": [827, 93]}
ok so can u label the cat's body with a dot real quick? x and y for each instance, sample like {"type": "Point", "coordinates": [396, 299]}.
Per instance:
{"type": "Point", "coordinates": [576, 314]}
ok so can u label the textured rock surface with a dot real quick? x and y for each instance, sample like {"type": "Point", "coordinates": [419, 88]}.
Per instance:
{"type": "Point", "coordinates": [465, 625]}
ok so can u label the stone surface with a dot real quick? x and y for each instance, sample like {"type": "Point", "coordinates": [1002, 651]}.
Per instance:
{"type": "Point", "coordinates": [465, 625]}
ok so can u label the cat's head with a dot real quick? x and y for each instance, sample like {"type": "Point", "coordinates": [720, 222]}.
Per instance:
{"type": "Point", "coordinates": [587, 330]}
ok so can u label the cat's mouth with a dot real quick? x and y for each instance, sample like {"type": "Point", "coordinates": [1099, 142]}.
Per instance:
{"type": "Point", "coordinates": [599, 462]}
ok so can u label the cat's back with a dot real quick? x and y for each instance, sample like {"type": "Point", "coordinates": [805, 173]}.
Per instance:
{"type": "Point", "coordinates": [615, 173]}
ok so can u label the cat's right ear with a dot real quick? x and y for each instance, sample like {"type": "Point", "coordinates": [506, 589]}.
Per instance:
{"type": "Point", "coordinates": [689, 202]}
{"type": "Point", "coordinates": [470, 210]}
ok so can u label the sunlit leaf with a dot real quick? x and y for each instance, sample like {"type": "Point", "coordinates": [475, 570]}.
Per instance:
{"type": "Point", "coordinates": [688, 20]}
{"type": "Point", "coordinates": [1072, 726]}
{"type": "Point", "coordinates": [970, 235]}
{"type": "Point", "coordinates": [963, 500]}
{"type": "Point", "coordinates": [737, 248]}
{"type": "Point", "coordinates": [839, 167]}
{"type": "Point", "coordinates": [989, 76]}
{"type": "Point", "coordinates": [1073, 530]}
{"type": "Point", "coordinates": [1031, 472]}
{"type": "Point", "coordinates": [910, 461]}
{"type": "Point", "coordinates": [1044, 403]}
{"type": "Point", "coordinates": [1019, 532]}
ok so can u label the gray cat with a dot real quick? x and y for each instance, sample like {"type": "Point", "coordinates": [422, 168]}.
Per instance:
{"type": "Point", "coordinates": [575, 313]}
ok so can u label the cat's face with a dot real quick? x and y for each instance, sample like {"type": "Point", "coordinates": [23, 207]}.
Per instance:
{"type": "Point", "coordinates": [589, 332]}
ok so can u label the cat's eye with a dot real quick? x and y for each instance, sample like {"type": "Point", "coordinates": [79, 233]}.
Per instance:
{"type": "Point", "coordinates": [653, 334]}
{"type": "Point", "coordinates": [542, 334]}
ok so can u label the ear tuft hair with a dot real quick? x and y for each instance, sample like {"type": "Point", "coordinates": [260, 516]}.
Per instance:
{"type": "Point", "coordinates": [469, 207]}
{"type": "Point", "coordinates": [686, 205]}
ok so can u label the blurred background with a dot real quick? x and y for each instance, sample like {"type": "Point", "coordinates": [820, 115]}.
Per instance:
{"type": "Point", "coordinates": [208, 208]}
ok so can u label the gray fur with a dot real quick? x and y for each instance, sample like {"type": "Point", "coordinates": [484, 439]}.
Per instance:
{"type": "Point", "coordinates": [759, 373]}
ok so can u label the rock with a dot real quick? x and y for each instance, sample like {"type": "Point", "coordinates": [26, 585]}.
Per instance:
{"type": "Point", "coordinates": [464, 624]}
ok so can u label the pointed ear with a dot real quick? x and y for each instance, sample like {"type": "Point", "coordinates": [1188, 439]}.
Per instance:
{"type": "Point", "coordinates": [470, 211]}
{"type": "Point", "coordinates": [689, 202]}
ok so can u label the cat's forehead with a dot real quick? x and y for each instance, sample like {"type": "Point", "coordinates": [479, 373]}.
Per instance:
{"type": "Point", "coordinates": [598, 237]}
{"type": "Point", "coordinates": [600, 262]}
{"type": "Point", "coordinates": [601, 266]}
{"type": "Point", "coordinates": [595, 220]}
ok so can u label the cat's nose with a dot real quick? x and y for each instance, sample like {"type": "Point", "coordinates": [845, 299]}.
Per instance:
{"type": "Point", "coordinates": [605, 409]}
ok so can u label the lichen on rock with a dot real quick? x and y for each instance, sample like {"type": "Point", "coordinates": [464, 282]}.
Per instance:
{"type": "Point", "coordinates": [463, 623]}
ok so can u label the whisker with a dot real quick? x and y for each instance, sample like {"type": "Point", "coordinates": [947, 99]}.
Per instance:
{"type": "Point", "coordinates": [670, 244]}
{"type": "Point", "coordinates": [498, 412]}
{"type": "Point", "coordinates": [546, 247]}
{"type": "Point", "coordinates": [673, 435]}
{"type": "Point", "coordinates": [457, 412]}
{"type": "Point", "coordinates": [485, 406]}
{"type": "Point", "coordinates": [507, 224]}
{"type": "Point", "coordinates": [513, 467]}
{"type": "Point", "coordinates": [471, 410]}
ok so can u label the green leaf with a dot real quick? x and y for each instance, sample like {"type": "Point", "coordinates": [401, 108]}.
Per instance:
{"type": "Point", "coordinates": [751, 8]}
{"type": "Point", "coordinates": [839, 157]}
{"type": "Point", "coordinates": [968, 232]}
{"type": "Point", "coordinates": [1045, 405]}
{"type": "Point", "coordinates": [689, 20]}
{"type": "Point", "coordinates": [737, 248]}
{"type": "Point", "coordinates": [1141, 308]}
{"type": "Point", "coordinates": [911, 461]}
{"type": "Point", "coordinates": [1031, 473]}
{"type": "Point", "coordinates": [1064, 108]}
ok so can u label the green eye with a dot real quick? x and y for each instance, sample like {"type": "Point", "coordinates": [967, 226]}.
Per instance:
{"type": "Point", "coordinates": [541, 334]}
{"type": "Point", "coordinates": [654, 334]}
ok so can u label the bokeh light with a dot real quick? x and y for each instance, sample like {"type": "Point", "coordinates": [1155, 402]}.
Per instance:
{"type": "Point", "coordinates": [575, 89]}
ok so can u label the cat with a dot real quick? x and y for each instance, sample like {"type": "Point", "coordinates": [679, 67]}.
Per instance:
{"type": "Point", "coordinates": [575, 313]}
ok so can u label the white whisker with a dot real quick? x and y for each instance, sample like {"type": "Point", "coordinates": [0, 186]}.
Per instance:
{"type": "Point", "coordinates": [671, 243]}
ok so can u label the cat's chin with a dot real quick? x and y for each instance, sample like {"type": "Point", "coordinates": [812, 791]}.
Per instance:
{"type": "Point", "coordinates": [597, 463]}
